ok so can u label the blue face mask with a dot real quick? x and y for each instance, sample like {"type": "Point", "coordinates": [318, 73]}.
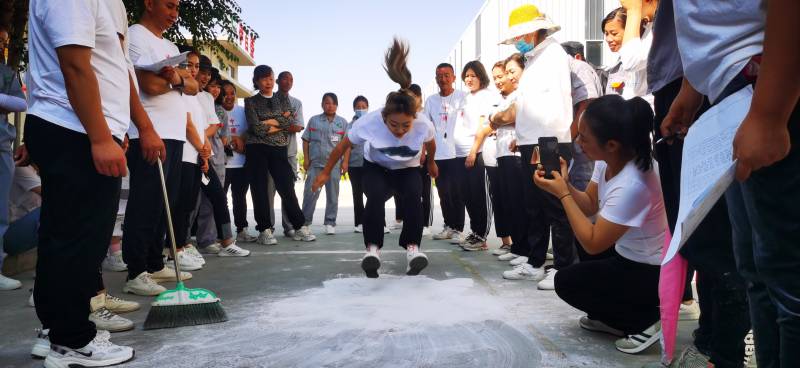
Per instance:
{"type": "Point", "coordinates": [360, 113]}
{"type": "Point", "coordinates": [523, 47]}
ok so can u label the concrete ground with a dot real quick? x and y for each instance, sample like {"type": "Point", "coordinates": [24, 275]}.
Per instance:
{"type": "Point", "coordinates": [308, 305]}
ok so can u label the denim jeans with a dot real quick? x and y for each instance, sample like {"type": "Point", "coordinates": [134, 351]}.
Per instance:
{"type": "Point", "coordinates": [765, 216]}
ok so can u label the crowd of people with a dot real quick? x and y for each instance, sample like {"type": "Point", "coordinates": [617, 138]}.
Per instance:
{"type": "Point", "coordinates": [98, 121]}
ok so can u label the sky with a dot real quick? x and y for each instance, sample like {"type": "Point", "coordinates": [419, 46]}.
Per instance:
{"type": "Point", "coordinates": [338, 46]}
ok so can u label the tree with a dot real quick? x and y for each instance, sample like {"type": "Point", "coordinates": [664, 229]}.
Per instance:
{"type": "Point", "coordinates": [202, 20]}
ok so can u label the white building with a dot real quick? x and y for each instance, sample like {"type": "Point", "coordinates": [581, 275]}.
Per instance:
{"type": "Point", "coordinates": [579, 20]}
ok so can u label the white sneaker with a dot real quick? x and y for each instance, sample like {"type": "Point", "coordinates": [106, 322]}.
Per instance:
{"type": "Point", "coordinates": [386, 230]}
{"type": "Point", "coordinates": [118, 305]}
{"type": "Point", "coordinates": [266, 238]}
{"type": "Point", "coordinates": [504, 249]}
{"type": "Point", "coordinates": [42, 345]}
{"type": "Point", "coordinates": [549, 280]}
{"type": "Point", "coordinates": [417, 261]}
{"type": "Point", "coordinates": [246, 236]}
{"type": "Point", "coordinates": [114, 263]}
{"type": "Point", "coordinates": [98, 353]}
{"type": "Point", "coordinates": [233, 250]}
{"type": "Point", "coordinates": [371, 261]}
{"type": "Point", "coordinates": [358, 229]}
{"type": "Point", "coordinates": [105, 319]}
{"type": "Point", "coordinates": [445, 234]}
{"type": "Point", "coordinates": [168, 275]}
{"type": "Point", "coordinates": [524, 272]}
{"type": "Point", "coordinates": [518, 261]}
{"type": "Point", "coordinates": [144, 285]}
{"type": "Point", "coordinates": [330, 230]}
{"type": "Point", "coordinates": [689, 312]}
{"type": "Point", "coordinates": [507, 257]}
{"type": "Point", "coordinates": [192, 251]}
{"type": "Point", "coordinates": [397, 225]}
{"type": "Point", "coordinates": [304, 234]}
{"type": "Point", "coordinates": [457, 237]}
{"type": "Point", "coordinates": [186, 261]}
{"type": "Point", "coordinates": [211, 249]}
{"type": "Point", "coordinates": [426, 231]}
{"type": "Point", "coordinates": [7, 283]}
{"type": "Point", "coordinates": [634, 344]}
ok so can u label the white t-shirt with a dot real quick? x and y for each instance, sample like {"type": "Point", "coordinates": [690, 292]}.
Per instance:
{"type": "Point", "coordinates": [633, 198]}
{"type": "Point", "coordinates": [53, 24]}
{"type": "Point", "coordinates": [545, 95]}
{"type": "Point", "coordinates": [165, 111]}
{"type": "Point", "coordinates": [237, 124]}
{"type": "Point", "coordinates": [207, 100]}
{"type": "Point", "coordinates": [505, 134]}
{"type": "Point", "coordinates": [442, 112]}
{"type": "Point", "coordinates": [473, 114]}
{"type": "Point", "coordinates": [22, 201]}
{"type": "Point", "coordinates": [194, 105]}
{"type": "Point", "coordinates": [117, 10]}
{"type": "Point", "coordinates": [382, 148]}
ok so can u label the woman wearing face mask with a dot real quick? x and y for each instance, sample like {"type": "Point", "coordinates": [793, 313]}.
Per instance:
{"type": "Point", "coordinates": [625, 196]}
{"type": "Point", "coordinates": [356, 170]}
{"type": "Point", "coordinates": [472, 118]}
{"type": "Point", "coordinates": [394, 139]}
{"type": "Point", "coordinates": [628, 32]}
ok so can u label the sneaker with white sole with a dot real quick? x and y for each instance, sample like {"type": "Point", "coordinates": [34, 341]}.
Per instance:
{"type": "Point", "coordinates": [524, 272]}
{"type": "Point", "coordinates": [41, 347]}
{"type": "Point", "coordinates": [186, 261]}
{"type": "Point", "coordinates": [304, 234]}
{"type": "Point", "coordinates": [211, 249]}
{"type": "Point", "coordinates": [371, 261]}
{"type": "Point", "coordinates": [689, 312]}
{"type": "Point", "coordinates": [504, 249]}
{"type": "Point", "coordinates": [114, 263]}
{"type": "Point", "coordinates": [246, 236]}
{"type": "Point", "coordinates": [548, 283]}
{"type": "Point", "coordinates": [194, 253]}
{"type": "Point", "coordinates": [31, 302]}
{"type": "Point", "coordinates": [107, 320]}
{"type": "Point", "coordinates": [100, 352]}
{"type": "Point", "coordinates": [417, 261]}
{"type": "Point", "coordinates": [596, 326]}
{"type": "Point", "coordinates": [634, 344]}
{"type": "Point", "coordinates": [358, 229]}
{"type": "Point", "coordinates": [168, 275]}
{"type": "Point", "coordinates": [458, 237]}
{"type": "Point", "coordinates": [386, 230]}
{"type": "Point", "coordinates": [474, 243]}
{"type": "Point", "coordinates": [426, 231]}
{"type": "Point", "coordinates": [118, 305]}
{"type": "Point", "coordinates": [7, 283]}
{"type": "Point", "coordinates": [518, 261]}
{"type": "Point", "coordinates": [330, 230]}
{"type": "Point", "coordinates": [508, 257]}
{"type": "Point", "coordinates": [144, 285]}
{"type": "Point", "coordinates": [445, 234]}
{"type": "Point", "coordinates": [266, 238]}
{"type": "Point", "coordinates": [233, 250]}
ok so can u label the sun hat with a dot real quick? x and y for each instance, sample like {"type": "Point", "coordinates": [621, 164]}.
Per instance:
{"type": "Point", "coordinates": [527, 19]}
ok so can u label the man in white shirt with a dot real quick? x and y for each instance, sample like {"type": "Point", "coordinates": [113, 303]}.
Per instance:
{"type": "Point", "coordinates": [544, 109]}
{"type": "Point", "coordinates": [441, 109]}
{"type": "Point", "coordinates": [74, 138]}
{"type": "Point", "coordinates": [144, 230]}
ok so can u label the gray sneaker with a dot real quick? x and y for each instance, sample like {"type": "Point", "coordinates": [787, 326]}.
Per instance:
{"type": "Point", "coordinates": [597, 326]}
{"type": "Point", "coordinates": [636, 343]}
{"type": "Point", "coordinates": [105, 319]}
{"type": "Point", "coordinates": [304, 234]}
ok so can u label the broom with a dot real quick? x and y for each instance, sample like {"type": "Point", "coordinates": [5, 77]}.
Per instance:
{"type": "Point", "coordinates": [181, 306]}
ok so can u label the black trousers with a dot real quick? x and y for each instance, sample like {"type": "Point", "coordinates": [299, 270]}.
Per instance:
{"type": "Point", "coordinates": [453, 209]}
{"type": "Point", "coordinates": [264, 161]}
{"type": "Point", "coordinates": [191, 185]}
{"type": "Point", "coordinates": [145, 228]}
{"type": "Point", "coordinates": [79, 207]}
{"type": "Point", "coordinates": [427, 209]}
{"type": "Point", "coordinates": [472, 184]}
{"type": "Point", "coordinates": [502, 220]}
{"type": "Point", "coordinates": [594, 288]}
{"type": "Point", "coordinates": [509, 212]}
{"type": "Point", "coordinates": [236, 178]}
{"type": "Point", "coordinates": [724, 319]}
{"type": "Point", "coordinates": [406, 184]}
{"type": "Point", "coordinates": [545, 215]}
{"type": "Point", "coordinates": [357, 182]}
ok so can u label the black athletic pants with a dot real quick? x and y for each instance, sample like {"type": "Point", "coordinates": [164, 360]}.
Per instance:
{"type": "Point", "coordinates": [79, 207]}
{"type": "Point", "coordinates": [191, 185]}
{"type": "Point", "coordinates": [236, 179]}
{"type": "Point", "coordinates": [472, 184]}
{"type": "Point", "coordinates": [449, 195]}
{"type": "Point", "coordinates": [427, 209]}
{"type": "Point", "coordinates": [407, 186]}
{"type": "Point", "coordinates": [507, 194]}
{"type": "Point", "coordinates": [357, 183]}
{"type": "Point", "coordinates": [264, 161]}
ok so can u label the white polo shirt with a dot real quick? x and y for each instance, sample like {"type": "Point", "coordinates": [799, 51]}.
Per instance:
{"type": "Point", "coordinates": [544, 107]}
{"type": "Point", "coordinates": [53, 24]}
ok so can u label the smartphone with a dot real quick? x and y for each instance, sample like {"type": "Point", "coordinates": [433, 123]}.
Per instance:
{"type": "Point", "coordinates": [548, 155]}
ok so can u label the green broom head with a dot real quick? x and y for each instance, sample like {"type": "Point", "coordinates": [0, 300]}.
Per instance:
{"type": "Point", "coordinates": [184, 307]}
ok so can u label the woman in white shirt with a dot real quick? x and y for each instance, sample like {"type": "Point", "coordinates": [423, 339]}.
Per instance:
{"type": "Point", "coordinates": [474, 116]}
{"type": "Point", "coordinates": [619, 293]}
{"type": "Point", "coordinates": [629, 34]}
{"type": "Point", "coordinates": [394, 139]}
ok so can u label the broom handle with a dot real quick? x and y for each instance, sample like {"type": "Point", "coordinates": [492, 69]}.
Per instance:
{"type": "Point", "coordinates": [169, 222]}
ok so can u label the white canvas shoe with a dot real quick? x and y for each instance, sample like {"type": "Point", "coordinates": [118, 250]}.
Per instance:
{"type": "Point", "coordinates": [518, 261]}
{"type": "Point", "coordinates": [548, 283]}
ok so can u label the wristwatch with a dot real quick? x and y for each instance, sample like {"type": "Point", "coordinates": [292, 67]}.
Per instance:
{"type": "Point", "coordinates": [179, 85]}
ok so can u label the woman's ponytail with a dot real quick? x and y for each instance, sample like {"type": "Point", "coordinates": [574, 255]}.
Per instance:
{"type": "Point", "coordinates": [641, 115]}
{"type": "Point", "coordinates": [629, 122]}
{"type": "Point", "coordinates": [396, 66]}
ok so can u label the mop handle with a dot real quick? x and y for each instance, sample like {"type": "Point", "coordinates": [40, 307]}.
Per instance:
{"type": "Point", "coordinates": [169, 222]}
